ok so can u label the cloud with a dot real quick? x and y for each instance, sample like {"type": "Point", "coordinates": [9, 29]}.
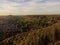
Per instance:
{"type": "Point", "coordinates": [19, 1]}
{"type": "Point", "coordinates": [24, 7]}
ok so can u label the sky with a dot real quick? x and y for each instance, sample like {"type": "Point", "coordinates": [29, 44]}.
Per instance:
{"type": "Point", "coordinates": [29, 7]}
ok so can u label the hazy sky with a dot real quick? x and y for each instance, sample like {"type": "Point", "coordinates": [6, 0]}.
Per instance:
{"type": "Point", "coordinates": [21, 7]}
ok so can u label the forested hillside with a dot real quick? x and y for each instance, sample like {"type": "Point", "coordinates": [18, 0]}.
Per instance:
{"type": "Point", "coordinates": [30, 30]}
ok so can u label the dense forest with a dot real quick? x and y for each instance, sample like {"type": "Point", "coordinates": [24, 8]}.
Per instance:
{"type": "Point", "coordinates": [30, 30]}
